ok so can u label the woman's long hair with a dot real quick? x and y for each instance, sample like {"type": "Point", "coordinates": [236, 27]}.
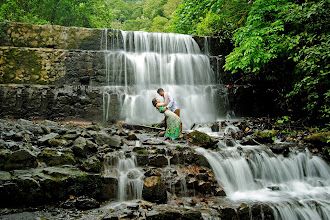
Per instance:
{"type": "Point", "coordinates": [154, 102]}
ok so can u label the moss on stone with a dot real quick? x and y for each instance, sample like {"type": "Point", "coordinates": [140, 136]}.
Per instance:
{"type": "Point", "coordinates": [201, 139]}
{"type": "Point", "coordinates": [140, 150]}
{"type": "Point", "coordinates": [57, 142]}
{"type": "Point", "coordinates": [53, 157]}
{"type": "Point", "coordinates": [267, 136]}
{"type": "Point", "coordinates": [92, 165]}
{"type": "Point", "coordinates": [322, 138]}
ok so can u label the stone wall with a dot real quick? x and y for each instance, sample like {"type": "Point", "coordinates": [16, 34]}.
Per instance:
{"type": "Point", "coordinates": [56, 102]}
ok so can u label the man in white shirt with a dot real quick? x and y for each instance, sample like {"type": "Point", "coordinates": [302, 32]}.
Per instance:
{"type": "Point", "coordinates": [169, 102]}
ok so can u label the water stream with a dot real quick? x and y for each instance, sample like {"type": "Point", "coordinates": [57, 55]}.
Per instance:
{"type": "Point", "coordinates": [130, 183]}
{"type": "Point", "coordinates": [296, 187]}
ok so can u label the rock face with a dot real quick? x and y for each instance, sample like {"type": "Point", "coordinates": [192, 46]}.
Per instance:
{"type": "Point", "coordinates": [30, 101]}
{"type": "Point", "coordinates": [20, 159]}
{"type": "Point", "coordinates": [154, 190]}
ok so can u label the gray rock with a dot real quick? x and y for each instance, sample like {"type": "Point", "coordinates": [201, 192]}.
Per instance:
{"type": "Point", "coordinates": [54, 157]}
{"type": "Point", "coordinates": [83, 203]}
{"type": "Point", "coordinates": [154, 190]}
{"type": "Point", "coordinates": [48, 137]}
{"type": "Point", "coordinates": [132, 137]}
{"type": "Point", "coordinates": [91, 147]}
{"type": "Point", "coordinates": [110, 188]}
{"type": "Point", "coordinates": [11, 145]}
{"type": "Point", "coordinates": [80, 147]}
{"type": "Point", "coordinates": [4, 176]}
{"type": "Point", "coordinates": [103, 138]}
{"type": "Point", "coordinates": [22, 155]}
{"type": "Point", "coordinates": [71, 136]}
{"type": "Point", "coordinates": [92, 164]}
{"type": "Point", "coordinates": [21, 159]}
{"type": "Point", "coordinates": [158, 161]}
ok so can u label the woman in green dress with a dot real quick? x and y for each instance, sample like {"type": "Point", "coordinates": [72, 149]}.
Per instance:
{"type": "Point", "coordinates": [173, 122]}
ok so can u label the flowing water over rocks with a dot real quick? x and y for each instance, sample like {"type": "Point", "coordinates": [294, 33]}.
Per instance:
{"type": "Point", "coordinates": [141, 62]}
{"type": "Point", "coordinates": [247, 169]}
{"type": "Point", "coordinates": [79, 170]}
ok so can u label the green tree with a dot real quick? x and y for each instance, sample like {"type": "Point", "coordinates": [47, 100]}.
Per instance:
{"type": "Point", "coordinates": [211, 17]}
{"type": "Point", "coordinates": [153, 8]}
{"type": "Point", "coordinates": [288, 42]}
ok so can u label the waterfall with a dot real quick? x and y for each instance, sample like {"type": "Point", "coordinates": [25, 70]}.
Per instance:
{"type": "Point", "coordinates": [130, 183]}
{"type": "Point", "coordinates": [142, 62]}
{"type": "Point", "coordinates": [297, 187]}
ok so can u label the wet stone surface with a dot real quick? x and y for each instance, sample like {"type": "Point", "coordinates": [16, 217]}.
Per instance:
{"type": "Point", "coordinates": [80, 170]}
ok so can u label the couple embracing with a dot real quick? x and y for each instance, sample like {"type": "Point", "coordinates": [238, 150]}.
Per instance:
{"type": "Point", "coordinates": [171, 110]}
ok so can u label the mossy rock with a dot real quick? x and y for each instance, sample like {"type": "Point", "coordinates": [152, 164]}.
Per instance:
{"type": "Point", "coordinates": [267, 136]}
{"type": "Point", "coordinates": [20, 159]}
{"type": "Point", "coordinates": [53, 157]}
{"type": "Point", "coordinates": [57, 142]}
{"type": "Point", "coordinates": [201, 139]}
{"type": "Point", "coordinates": [320, 139]}
{"type": "Point", "coordinates": [92, 164]}
{"type": "Point", "coordinates": [140, 150]}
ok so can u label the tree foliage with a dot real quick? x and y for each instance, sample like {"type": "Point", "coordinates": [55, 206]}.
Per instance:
{"type": "Point", "coordinates": [210, 17]}
{"type": "Point", "coordinates": [147, 15]}
{"type": "Point", "coordinates": [288, 40]}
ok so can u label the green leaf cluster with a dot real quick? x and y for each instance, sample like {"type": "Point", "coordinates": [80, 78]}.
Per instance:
{"type": "Point", "coordinates": [146, 15]}
{"type": "Point", "coordinates": [210, 17]}
{"type": "Point", "coordinates": [288, 42]}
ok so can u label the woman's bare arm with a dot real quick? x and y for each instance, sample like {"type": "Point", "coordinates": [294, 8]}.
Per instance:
{"type": "Point", "coordinates": [164, 103]}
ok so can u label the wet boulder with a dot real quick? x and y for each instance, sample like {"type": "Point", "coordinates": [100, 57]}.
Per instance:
{"type": "Point", "coordinates": [82, 203]}
{"type": "Point", "coordinates": [281, 149]}
{"type": "Point", "coordinates": [54, 157]}
{"type": "Point", "coordinates": [110, 188]}
{"type": "Point", "coordinates": [103, 138]}
{"type": "Point", "coordinates": [92, 164]}
{"type": "Point", "coordinates": [57, 142]}
{"type": "Point", "coordinates": [201, 139]}
{"type": "Point", "coordinates": [158, 160]}
{"type": "Point", "coordinates": [5, 176]}
{"type": "Point", "coordinates": [132, 137]}
{"type": "Point", "coordinates": [264, 137]}
{"type": "Point", "coordinates": [318, 139]}
{"type": "Point", "coordinates": [80, 147]}
{"type": "Point", "coordinates": [46, 138]}
{"type": "Point", "coordinates": [21, 159]}
{"type": "Point", "coordinates": [140, 150]}
{"type": "Point", "coordinates": [154, 190]}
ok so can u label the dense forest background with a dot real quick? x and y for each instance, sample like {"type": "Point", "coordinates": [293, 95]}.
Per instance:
{"type": "Point", "coordinates": [277, 43]}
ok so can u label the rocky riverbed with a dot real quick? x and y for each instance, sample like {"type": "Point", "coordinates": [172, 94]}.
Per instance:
{"type": "Point", "coordinates": [79, 170]}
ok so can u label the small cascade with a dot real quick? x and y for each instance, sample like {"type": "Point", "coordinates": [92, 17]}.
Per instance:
{"type": "Point", "coordinates": [184, 186]}
{"type": "Point", "coordinates": [142, 62]}
{"type": "Point", "coordinates": [297, 187]}
{"type": "Point", "coordinates": [168, 158]}
{"type": "Point", "coordinates": [130, 183]}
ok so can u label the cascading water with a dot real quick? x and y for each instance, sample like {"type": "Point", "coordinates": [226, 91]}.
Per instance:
{"type": "Point", "coordinates": [142, 62]}
{"type": "Point", "coordinates": [296, 187]}
{"type": "Point", "coordinates": [130, 183]}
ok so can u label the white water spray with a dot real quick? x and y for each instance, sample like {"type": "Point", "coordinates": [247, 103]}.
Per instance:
{"type": "Point", "coordinates": [298, 186]}
{"type": "Point", "coordinates": [148, 61]}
